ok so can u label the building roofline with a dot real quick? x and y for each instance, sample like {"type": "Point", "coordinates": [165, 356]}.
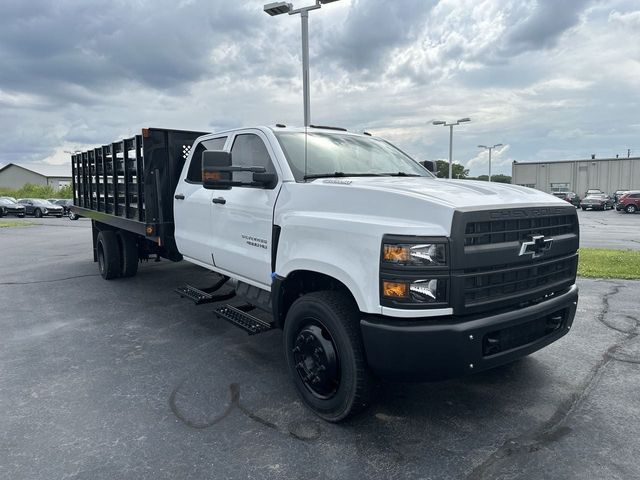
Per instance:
{"type": "Point", "coordinates": [32, 171]}
{"type": "Point", "coordinates": [574, 161]}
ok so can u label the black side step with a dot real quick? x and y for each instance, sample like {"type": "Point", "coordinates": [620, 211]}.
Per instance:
{"type": "Point", "coordinates": [202, 296]}
{"type": "Point", "coordinates": [247, 322]}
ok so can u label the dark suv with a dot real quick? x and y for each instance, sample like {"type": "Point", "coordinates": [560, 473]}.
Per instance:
{"type": "Point", "coordinates": [570, 197]}
{"type": "Point", "coordinates": [38, 207]}
{"type": "Point", "coordinates": [629, 202]}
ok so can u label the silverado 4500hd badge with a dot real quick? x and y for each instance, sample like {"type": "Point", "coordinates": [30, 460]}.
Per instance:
{"type": "Point", "coordinates": [255, 241]}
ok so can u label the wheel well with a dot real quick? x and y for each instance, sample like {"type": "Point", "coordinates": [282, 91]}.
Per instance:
{"type": "Point", "coordinates": [299, 283]}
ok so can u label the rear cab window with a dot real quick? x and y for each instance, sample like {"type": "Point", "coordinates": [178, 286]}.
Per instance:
{"type": "Point", "coordinates": [194, 174]}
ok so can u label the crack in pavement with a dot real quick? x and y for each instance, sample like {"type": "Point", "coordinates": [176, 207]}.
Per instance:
{"type": "Point", "coordinates": [555, 428]}
{"type": "Point", "coordinates": [49, 281]}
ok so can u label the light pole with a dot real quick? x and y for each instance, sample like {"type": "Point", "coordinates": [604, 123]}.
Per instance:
{"type": "Point", "coordinates": [450, 125]}
{"type": "Point", "coordinates": [490, 148]}
{"type": "Point", "coordinates": [278, 8]}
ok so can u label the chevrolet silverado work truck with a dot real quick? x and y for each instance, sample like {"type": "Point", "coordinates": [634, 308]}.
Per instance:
{"type": "Point", "coordinates": [371, 266]}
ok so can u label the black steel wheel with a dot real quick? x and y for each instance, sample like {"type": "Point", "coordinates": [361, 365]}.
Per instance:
{"type": "Point", "coordinates": [128, 247]}
{"type": "Point", "coordinates": [37, 213]}
{"type": "Point", "coordinates": [325, 355]}
{"type": "Point", "coordinates": [108, 255]}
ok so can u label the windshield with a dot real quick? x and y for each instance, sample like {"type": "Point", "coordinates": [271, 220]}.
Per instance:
{"type": "Point", "coordinates": [4, 201]}
{"type": "Point", "coordinates": [330, 154]}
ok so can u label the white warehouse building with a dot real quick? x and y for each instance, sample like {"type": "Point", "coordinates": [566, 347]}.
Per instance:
{"type": "Point", "coordinates": [606, 174]}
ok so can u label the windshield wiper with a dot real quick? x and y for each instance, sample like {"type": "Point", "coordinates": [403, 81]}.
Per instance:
{"type": "Point", "coordinates": [340, 174]}
{"type": "Point", "coordinates": [400, 174]}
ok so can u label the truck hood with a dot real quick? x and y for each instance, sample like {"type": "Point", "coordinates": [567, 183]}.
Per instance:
{"type": "Point", "coordinates": [450, 193]}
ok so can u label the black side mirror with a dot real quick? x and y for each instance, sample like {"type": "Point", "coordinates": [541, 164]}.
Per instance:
{"type": "Point", "coordinates": [215, 170]}
{"type": "Point", "coordinates": [429, 165]}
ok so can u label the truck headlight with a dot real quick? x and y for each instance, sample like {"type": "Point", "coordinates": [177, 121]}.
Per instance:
{"type": "Point", "coordinates": [421, 254]}
{"type": "Point", "coordinates": [416, 291]}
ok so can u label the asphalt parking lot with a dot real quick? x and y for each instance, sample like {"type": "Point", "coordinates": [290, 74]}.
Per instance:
{"type": "Point", "coordinates": [609, 229]}
{"type": "Point", "coordinates": [123, 379]}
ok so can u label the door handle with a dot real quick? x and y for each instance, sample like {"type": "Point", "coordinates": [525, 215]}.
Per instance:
{"type": "Point", "coordinates": [178, 196]}
{"type": "Point", "coordinates": [219, 200]}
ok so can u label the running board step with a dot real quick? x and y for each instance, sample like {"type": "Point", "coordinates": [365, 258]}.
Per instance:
{"type": "Point", "coordinates": [247, 322]}
{"type": "Point", "coordinates": [200, 297]}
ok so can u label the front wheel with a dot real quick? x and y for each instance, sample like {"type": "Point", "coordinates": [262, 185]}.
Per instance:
{"type": "Point", "coordinates": [37, 213]}
{"type": "Point", "coordinates": [325, 355]}
{"type": "Point", "coordinates": [584, 208]}
{"type": "Point", "coordinates": [630, 209]}
{"type": "Point", "coordinates": [72, 216]}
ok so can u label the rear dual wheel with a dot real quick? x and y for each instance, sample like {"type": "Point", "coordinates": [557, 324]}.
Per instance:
{"type": "Point", "coordinates": [117, 254]}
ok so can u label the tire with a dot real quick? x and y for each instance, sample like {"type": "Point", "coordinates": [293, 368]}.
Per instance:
{"type": "Point", "coordinates": [128, 247]}
{"type": "Point", "coordinates": [630, 209]}
{"type": "Point", "coordinates": [584, 208]}
{"type": "Point", "coordinates": [328, 321]}
{"type": "Point", "coordinates": [108, 255]}
{"type": "Point", "coordinates": [58, 216]}
{"type": "Point", "coordinates": [72, 216]}
{"type": "Point", "coordinates": [37, 213]}
{"type": "Point", "coordinates": [1, 212]}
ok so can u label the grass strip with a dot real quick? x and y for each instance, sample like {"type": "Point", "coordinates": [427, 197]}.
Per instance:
{"type": "Point", "coordinates": [606, 263]}
{"type": "Point", "coordinates": [14, 223]}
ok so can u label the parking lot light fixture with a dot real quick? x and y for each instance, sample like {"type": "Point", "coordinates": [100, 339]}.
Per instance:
{"type": "Point", "coordinates": [451, 125]}
{"type": "Point", "coordinates": [278, 8]}
{"type": "Point", "coordinates": [490, 149]}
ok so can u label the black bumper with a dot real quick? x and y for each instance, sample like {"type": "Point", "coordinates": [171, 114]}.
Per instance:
{"type": "Point", "coordinates": [437, 349]}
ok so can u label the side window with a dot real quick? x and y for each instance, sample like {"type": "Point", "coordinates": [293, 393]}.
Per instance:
{"type": "Point", "coordinates": [249, 151]}
{"type": "Point", "coordinates": [194, 175]}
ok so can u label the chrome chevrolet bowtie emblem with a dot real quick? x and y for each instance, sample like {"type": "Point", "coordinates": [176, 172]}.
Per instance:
{"type": "Point", "coordinates": [536, 247]}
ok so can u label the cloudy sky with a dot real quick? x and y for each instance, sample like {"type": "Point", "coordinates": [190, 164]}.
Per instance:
{"type": "Point", "coordinates": [549, 79]}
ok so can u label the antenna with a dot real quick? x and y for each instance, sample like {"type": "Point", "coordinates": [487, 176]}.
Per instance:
{"type": "Point", "coordinates": [305, 150]}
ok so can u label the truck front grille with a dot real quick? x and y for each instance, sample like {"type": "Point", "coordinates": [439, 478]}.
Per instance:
{"type": "Point", "coordinates": [490, 271]}
{"type": "Point", "coordinates": [500, 231]}
{"type": "Point", "coordinates": [504, 282]}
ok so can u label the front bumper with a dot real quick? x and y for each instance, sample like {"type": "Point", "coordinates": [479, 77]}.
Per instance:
{"type": "Point", "coordinates": [437, 349]}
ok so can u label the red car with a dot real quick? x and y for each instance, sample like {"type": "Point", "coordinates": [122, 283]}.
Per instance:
{"type": "Point", "coordinates": [629, 202]}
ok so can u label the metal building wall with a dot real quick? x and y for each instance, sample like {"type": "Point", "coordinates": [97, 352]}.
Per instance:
{"type": "Point", "coordinates": [15, 177]}
{"type": "Point", "coordinates": [608, 174]}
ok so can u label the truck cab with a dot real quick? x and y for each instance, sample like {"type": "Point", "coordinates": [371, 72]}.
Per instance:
{"type": "Point", "coordinates": [371, 265]}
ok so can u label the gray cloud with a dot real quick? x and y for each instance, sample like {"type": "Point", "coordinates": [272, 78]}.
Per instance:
{"type": "Point", "coordinates": [544, 26]}
{"type": "Point", "coordinates": [372, 29]}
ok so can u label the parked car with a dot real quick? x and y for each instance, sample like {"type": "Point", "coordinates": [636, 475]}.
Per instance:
{"type": "Point", "coordinates": [597, 201]}
{"type": "Point", "coordinates": [629, 202]}
{"type": "Point", "coordinates": [65, 203]}
{"type": "Point", "coordinates": [7, 207]}
{"type": "Point", "coordinates": [570, 197]}
{"type": "Point", "coordinates": [39, 207]}
{"type": "Point", "coordinates": [617, 194]}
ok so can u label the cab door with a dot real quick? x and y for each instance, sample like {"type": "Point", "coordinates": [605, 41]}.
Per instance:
{"type": "Point", "coordinates": [192, 206]}
{"type": "Point", "coordinates": [243, 216]}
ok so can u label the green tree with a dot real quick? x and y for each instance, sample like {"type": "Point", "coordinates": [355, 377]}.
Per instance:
{"type": "Point", "coordinates": [458, 171]}
{"type": "Point", "coordinates": [499, 178]}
